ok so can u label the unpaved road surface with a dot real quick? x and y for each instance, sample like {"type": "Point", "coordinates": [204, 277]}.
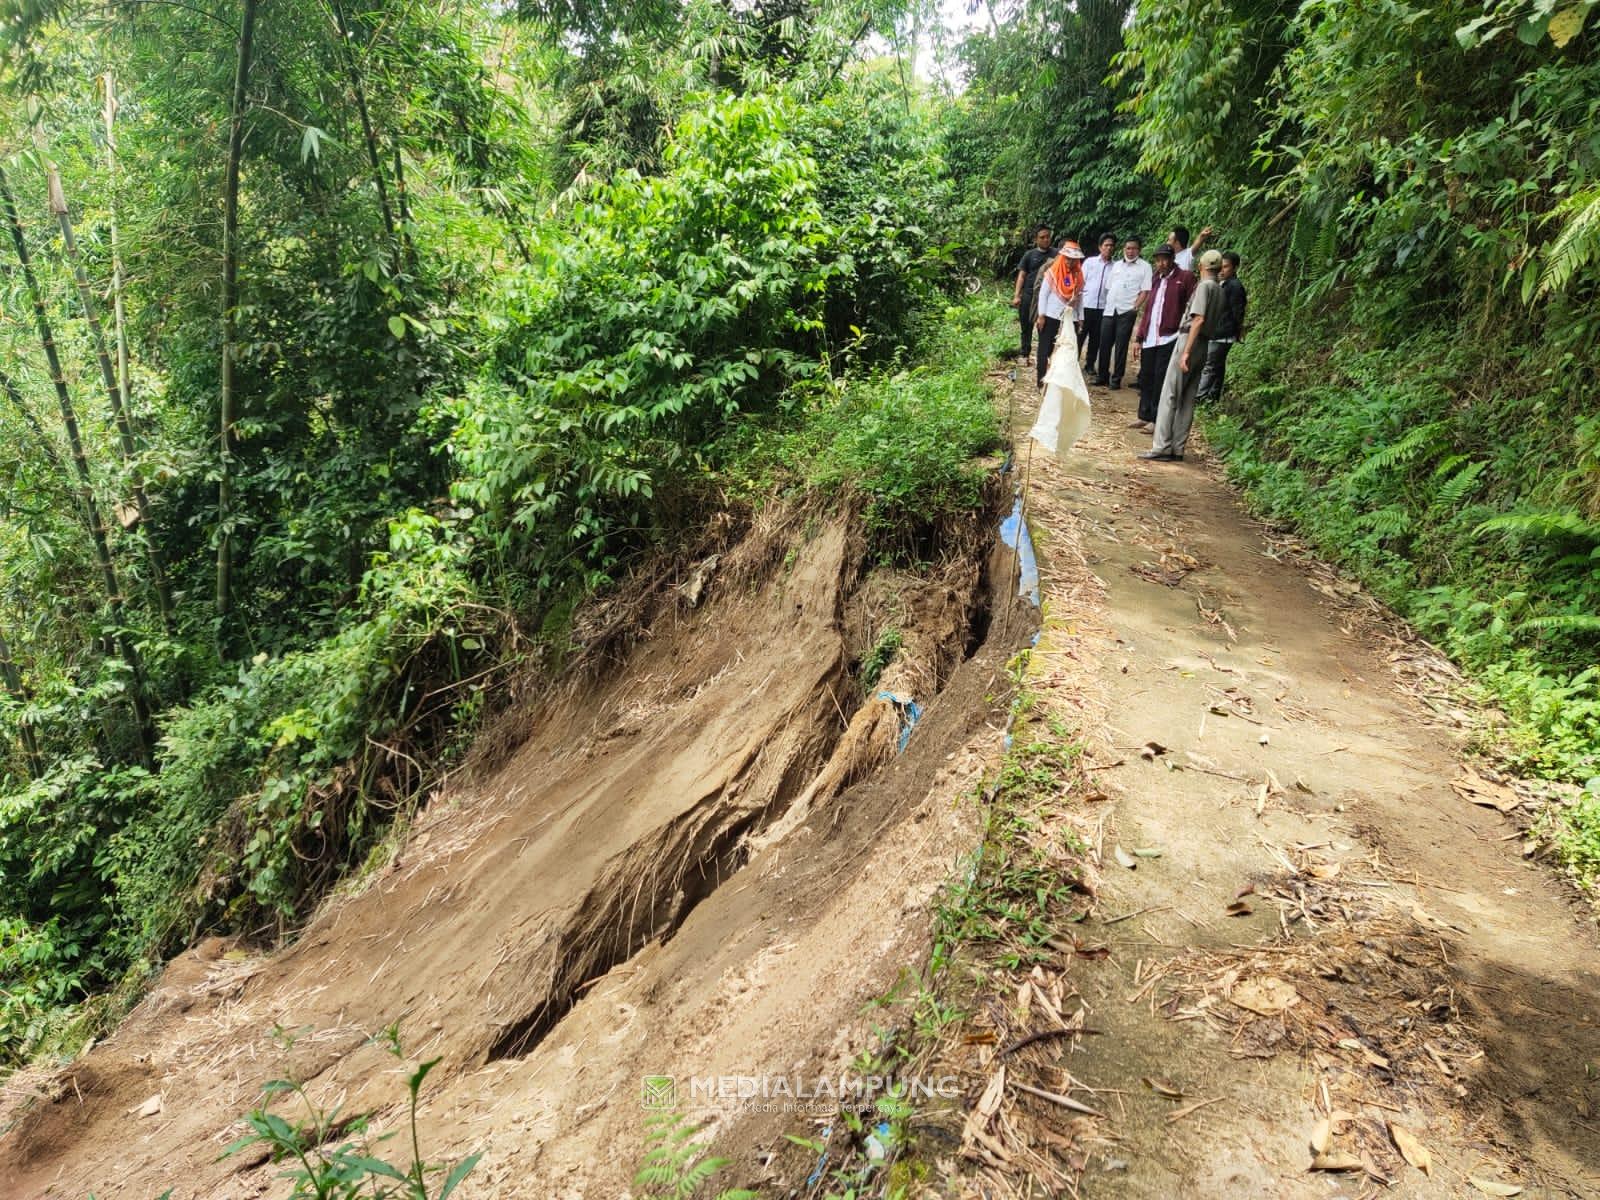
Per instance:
{"type": "Point", "coordinates": [1306, 919]}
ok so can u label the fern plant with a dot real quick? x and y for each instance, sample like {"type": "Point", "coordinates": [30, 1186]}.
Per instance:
{"type": "Point", "coordinates": [1542, 525]}
{"type": "Point", "coordinates": [675, 1166]}
{"type": "Point", "coordinates": [1394, 454]}
{"type": "Point", "coordinates": [1578, 243]}
{"type": "Point", "coordinates": [352, 1169]}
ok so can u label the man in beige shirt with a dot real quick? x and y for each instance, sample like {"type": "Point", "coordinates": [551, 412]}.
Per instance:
{"type": "Point", "coordinates": [1182, 384]}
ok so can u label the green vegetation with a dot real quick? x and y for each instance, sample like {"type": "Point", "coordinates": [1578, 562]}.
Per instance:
{"type": "Point", "coordinates": [345, 351]}
{"type": "Point", "coordinates": [675, 1166]}
{"type": "Point", "coordinates": [330, 1155]}
{"type": "Point", "coordinates": [370, 342]}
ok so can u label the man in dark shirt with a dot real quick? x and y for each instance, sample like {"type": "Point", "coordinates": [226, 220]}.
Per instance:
{"type": "Point", "coordinates": [1027, 274]}
{"type": "Point", "coordinates": [1229, 328]}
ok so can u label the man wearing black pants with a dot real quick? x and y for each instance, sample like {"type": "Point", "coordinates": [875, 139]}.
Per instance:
{"type": "Point", "coordinates": [1127, 287]}
{"type": "Point", "coordinates": [1158, 332]}
{"type": "Point", "coordinates": [1094, 296]}
{"type": "Point", "coordinates": [1230, 328]}
{"type": "Point", "coordinates": [1032, 260]}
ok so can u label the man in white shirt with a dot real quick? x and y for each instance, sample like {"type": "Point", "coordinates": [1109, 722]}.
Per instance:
{"type": "Point", "coordinates": [1127, 286]}
{"type": "Point", "coordinates": [1182, 251]}
{"type": "Point", "coordinates": [1094, 296]}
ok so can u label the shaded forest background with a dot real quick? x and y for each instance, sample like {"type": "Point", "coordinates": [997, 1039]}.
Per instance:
{"type": "Point", "coordinates": [346, 348]}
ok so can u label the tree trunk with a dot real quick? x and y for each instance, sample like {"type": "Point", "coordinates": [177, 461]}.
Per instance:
{"type": "Point", "coordinates": [86, 500]}
{"type": "Point", "coordinates": [405, 210]}
{"type": "Point", "coordinates": [12, 679]}
{"type": "Point", "coordinates": [114, 393]}
{"type": "Point", "coordinates": [374, 158]}
{"type": "Point", "coordinates": [230, 290]}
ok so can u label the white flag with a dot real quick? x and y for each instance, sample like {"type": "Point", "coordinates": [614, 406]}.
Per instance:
{"type": "Point", "coordinates": [1064, 415]}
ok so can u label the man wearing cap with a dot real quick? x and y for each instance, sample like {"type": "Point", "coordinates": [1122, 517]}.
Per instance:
{"type": "Point", "coordinates": [1127, 287]}
{"type": "Point", "coordinates": [1032, 259]}
{"type": "Point", "coordinates": [1229, 328]}
{"type": "Point", "coordinates": [1159, 327]}
{"type": "Point", "coordinates": [1182, 384]}
{"type": "Point", "coordinates": [1094, 296]}
{"type": "Point", "coordinates": [1060, 298]}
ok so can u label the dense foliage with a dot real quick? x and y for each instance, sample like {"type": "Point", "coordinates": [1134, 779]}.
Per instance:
{"type": "Point", "coordinates": [1037, 135]}
{"type": "Point", "coordinates": [1414, 189]}
{"type": "Point", "coordinates": [344, 350]}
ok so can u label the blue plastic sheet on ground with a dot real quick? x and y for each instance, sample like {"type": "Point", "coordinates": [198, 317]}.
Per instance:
{"type": "Point", "coordinates": [1014, 533]}
{"type": "Point", "coordinates": [909, 712]}
{"type": "Point", "coordinates": [811, 1180]}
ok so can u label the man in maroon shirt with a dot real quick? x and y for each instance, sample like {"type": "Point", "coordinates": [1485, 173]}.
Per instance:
{"type": "Point", "coordinates": [1158, 330]}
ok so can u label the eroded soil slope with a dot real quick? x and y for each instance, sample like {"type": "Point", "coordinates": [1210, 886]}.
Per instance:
{"type": "Point", "coordinates": [699, 860]}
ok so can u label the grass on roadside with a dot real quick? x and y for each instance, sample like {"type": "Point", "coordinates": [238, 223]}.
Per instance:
{"type": "Point", "coordinates": [1010, 908]}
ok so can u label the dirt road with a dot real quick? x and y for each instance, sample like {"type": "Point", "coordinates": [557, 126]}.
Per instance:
{"type": "Point", "coordinates": [1315, 936]}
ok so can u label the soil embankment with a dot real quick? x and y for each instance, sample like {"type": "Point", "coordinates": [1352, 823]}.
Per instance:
{"type": "Point", "coordinates": [700, 859]}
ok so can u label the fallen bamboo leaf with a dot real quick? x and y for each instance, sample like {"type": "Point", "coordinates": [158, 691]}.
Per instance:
{"type": "Point", "coordinates": [150, 1108]}
{"type": "Point", "coordinates": [1491, 1187]}
{"type": "Point", "coordinates": [1321, 1136]}
{"type": "Point", "coordinates": [1151, 750]}
{"type": "Point", "coordinates": [1147, 852]}
{"type": "Point", "coordinates": [1412, 1150]}
{"type": "Point", "coordinates": [1161, 1089]}
{"type": "Point", "coordinates": [1124, 859]}
{"type": "Point", "coordinates": [988, 1104]}
{"type": "Point", "coordinates": [1266, 995]}
{"type": "Point", "coordinates": [1323, 870]}
{"type": "Point", "coordinates": [1056, 1098]}
{"type": "Point", "coordinates": [1474, 787]}
{"type": "Point", "coordinates": [1179, 1114]}
{"type": "Point", "coordinates": [1248, 889]}
{"type": "Point", "coordinates": [1239, 908]}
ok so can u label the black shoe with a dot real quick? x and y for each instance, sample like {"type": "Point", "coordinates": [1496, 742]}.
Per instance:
{"type": "Point", "coordinates": [1116, 385]}
{"type": "Point", "coordinates": [1152, 456]}
{"type": "Point", "coordinates": [1102, 381]}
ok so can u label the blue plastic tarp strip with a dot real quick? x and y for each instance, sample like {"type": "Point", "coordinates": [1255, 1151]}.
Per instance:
{"type": "Point", "coordinates": [909, 712]}
{"type": "Point", "coordinates": [1014, 533]}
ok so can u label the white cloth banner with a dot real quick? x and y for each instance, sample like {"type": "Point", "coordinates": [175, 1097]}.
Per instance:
{"type": "Point", "coordinates": [1064, 415]}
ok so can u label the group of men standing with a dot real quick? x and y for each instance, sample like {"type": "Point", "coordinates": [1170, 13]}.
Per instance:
{"type": "Point", "coordinates": [1187, 313]}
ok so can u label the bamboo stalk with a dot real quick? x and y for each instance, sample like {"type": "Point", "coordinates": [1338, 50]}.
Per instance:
{"type": "Point", "coordinates": [12, 678]}
{"type": "Point", "coordinates": [86, 501]}
{"type": "Point", "coordinates": [115, 394]}
{"type": "Point", "coordinates": [374, 159]}
{"type": "Point", "coordinates": [230, 298]}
